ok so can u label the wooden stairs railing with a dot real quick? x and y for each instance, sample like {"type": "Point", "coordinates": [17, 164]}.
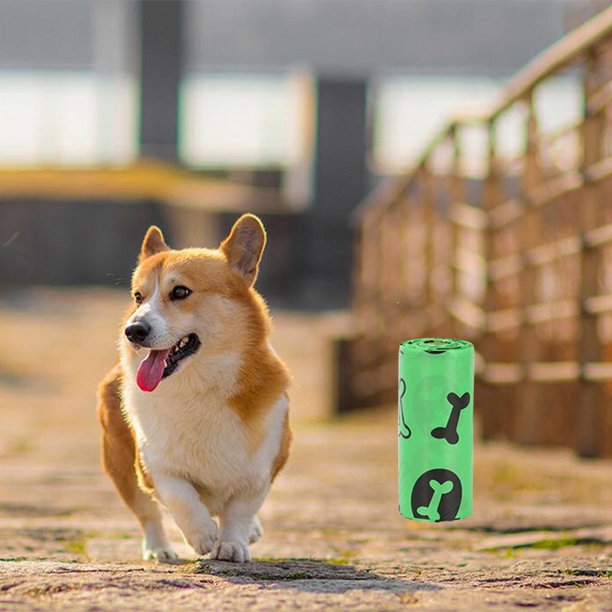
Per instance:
{"type": "Point", "coordinates": [502, 234]}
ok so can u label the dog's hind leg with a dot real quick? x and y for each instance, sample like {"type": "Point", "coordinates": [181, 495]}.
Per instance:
{"type": "Point", "coordinates": [119, 460]}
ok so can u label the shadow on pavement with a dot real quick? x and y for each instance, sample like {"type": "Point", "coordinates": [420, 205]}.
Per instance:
{"type": "Point", "coordinates": [309, 575]}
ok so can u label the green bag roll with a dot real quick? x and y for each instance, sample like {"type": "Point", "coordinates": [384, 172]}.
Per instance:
{"type": "Point", "coordinates": [436, 391]}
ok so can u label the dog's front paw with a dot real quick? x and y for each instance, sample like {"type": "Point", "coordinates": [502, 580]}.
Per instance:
{"type": "Point", "coordinates": [231, 551]}
{"type": "Point", "coordinates": [203, 539]}
{"type": "Point", "coordinates": [163, 554]}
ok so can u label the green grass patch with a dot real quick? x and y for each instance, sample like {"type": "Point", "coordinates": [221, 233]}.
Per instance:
{"type": "Point", "coordinates": [337, 561]}
{"type": "Point", "coordinates": [76, 546]}
{"type": "Point", "coordinates": [553, 544]}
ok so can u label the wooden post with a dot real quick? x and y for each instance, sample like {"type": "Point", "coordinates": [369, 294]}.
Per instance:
{"type": "Point", "coordinates": [398, 273]}
{"type": "Point", "coordinates": [428, 204]}
{"type": "Point", "coordinates": [590, 392]}
{"type": "Point", "coordinates": [362, 296]}
{"type": "Point", "coordinates": [360, 271]}
{"type": "Point", "coordinates": [527, 422]}
{"type": "Point", "coordinates": [403, 268]}
{"type": "Point", "coordinates": [456, 197]}
{"type": "Point", "coordinates": [491, 420]}
{"type": "Point", "coordinates": [376, 358]}
{"type": "Point", "coordinates": [389, 268]}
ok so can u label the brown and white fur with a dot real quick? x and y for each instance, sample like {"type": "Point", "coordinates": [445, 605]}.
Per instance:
{"type": "Point", "coordinates": [210, 438]}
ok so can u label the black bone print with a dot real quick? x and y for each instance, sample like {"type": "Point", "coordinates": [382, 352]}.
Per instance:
{"type": "Point", "coordinates": [436, 495]}
{"type": "Point", "coordinates": [449, 431]}
{"type": "Point", "coordinates": [402, 423]}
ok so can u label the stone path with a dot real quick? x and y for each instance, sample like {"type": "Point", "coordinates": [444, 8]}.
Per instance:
{"type": "Point", "coordinates": [540, 536]}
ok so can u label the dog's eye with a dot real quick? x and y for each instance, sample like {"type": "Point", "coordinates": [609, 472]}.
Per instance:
{"type": "Point", "coordinates": [138, 297]}
{"type": "Point", "coordinates": [180, 293]}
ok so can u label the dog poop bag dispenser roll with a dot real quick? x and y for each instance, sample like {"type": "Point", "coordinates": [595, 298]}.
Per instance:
{"type": "Point", "coordinates": [436, 394]}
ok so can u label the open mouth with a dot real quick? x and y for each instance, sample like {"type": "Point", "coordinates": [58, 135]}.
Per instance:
{"type": "Point", "coordinates": [159, 364]}
{"type": "Point", "coordinates": [185, 347]}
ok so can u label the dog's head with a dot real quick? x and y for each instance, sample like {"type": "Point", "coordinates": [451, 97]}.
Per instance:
{"type": "Point", "coordinates": [187, 299]}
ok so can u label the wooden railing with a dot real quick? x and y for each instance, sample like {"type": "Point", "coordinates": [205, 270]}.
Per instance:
{"type": "Point", "coordinates": [502, 234]}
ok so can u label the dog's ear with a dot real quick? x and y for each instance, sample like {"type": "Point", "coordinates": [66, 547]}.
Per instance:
{"type": "Point", "coordinates": [244, 246]}
{"type": "Point", "coordinates": [153, 243]}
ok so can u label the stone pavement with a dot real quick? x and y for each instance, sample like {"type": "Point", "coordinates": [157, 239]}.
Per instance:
{"type": "Point", "coordinates": [540, 535]}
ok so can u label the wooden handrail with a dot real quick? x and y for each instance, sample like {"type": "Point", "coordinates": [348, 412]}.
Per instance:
{"type": "Point", "coordinates": [437, 257]}
{"type": "Point", "coordinates": [546, 371]}
{"type": "Point", "coordinates": [558, 56]}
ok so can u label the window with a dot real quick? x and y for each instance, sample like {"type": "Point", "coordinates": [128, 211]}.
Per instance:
{"type": "Point", "coordinates": [66, 118]}
{"type": "Point", "coordinates": [244, 120]}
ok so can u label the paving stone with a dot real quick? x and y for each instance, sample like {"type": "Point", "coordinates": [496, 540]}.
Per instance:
{"type": "Point", "coordinates": [540, 535]}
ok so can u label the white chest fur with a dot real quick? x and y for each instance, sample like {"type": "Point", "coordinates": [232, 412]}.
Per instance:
{"type": "Point", "coordinates": [186, 428]}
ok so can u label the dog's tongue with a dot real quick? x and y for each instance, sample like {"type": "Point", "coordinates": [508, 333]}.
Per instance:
{"type": "Point", "coordinates": [151, 370]}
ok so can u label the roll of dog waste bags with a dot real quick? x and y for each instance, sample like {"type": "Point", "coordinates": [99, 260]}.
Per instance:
{"type": "Point", "coordinates": [436, 391]}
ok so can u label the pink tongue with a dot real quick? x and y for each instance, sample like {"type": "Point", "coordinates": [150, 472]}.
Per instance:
{"type": "Point", "coordinates": [151, 370]}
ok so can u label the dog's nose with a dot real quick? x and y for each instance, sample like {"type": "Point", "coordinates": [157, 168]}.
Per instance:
{"type": "Point", "coordinates": [137, 332]}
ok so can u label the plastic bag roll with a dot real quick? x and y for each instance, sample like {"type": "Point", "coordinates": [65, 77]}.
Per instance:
{"type": "Point", "coordinates": [435, 420]}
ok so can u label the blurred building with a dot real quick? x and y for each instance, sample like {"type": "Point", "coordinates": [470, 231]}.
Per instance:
{"type": "Point", "coordinates": [288, 108]}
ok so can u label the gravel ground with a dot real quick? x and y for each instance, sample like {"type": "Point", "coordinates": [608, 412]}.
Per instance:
{"type": "Point", "coordinates": [540, 536]}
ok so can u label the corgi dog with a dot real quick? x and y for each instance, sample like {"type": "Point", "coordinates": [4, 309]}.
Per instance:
{"type": "Point", "coordinates": [195, 414]}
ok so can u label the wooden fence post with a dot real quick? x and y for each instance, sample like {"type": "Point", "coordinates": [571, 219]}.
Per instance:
{"type": "Point", "coordinates": [491, 421]}
{"type": "Point", "coordinates": [400, 266]}
{"type": "Point", "coordinates": [527, 410]}
{"type": "Point", "coordinates": [428, 203]}
{"type": "Point", "coordinates": [590, 392]}
{"type": "Point", "coordinates": [402, 272]}
{"type": "Point", "coordinates": [456, 197]}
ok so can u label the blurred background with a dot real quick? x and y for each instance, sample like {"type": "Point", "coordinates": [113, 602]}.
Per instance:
{"type": "Point", "coordinates": [392, 147]}
{"type": "Point", "coordinates": [120, 113]}
{"type": "Point", "coordinates": [423, 167]}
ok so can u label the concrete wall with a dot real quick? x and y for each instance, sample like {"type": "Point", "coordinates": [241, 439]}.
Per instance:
{"type": "Point", "coordinates": [65, 243]}
{"type": "Point", "coordinates": [361, 37]}
{"type": "Point", "coordinates": [97, 242]}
